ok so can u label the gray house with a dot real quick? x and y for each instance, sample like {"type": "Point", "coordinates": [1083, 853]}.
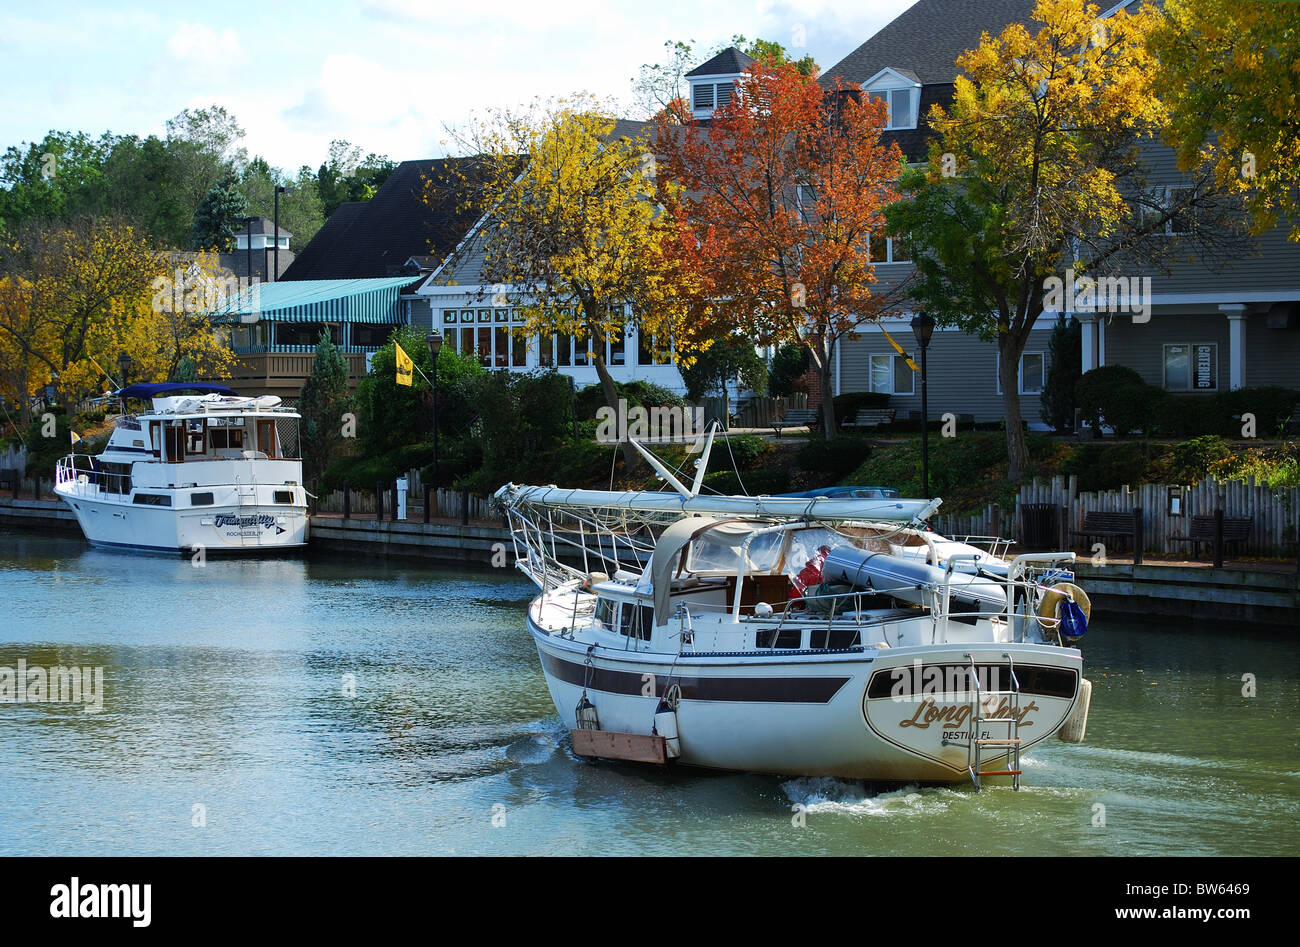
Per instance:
{"type": "Point", "coordinates": [1206, 330]}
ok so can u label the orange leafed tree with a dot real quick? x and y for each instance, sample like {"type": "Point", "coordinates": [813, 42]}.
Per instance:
{"type": "Point", "coordinates": [780, 194]}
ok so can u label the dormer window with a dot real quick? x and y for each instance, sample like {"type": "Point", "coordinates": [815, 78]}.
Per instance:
{"type": "Point", "coordinates": [900, 90]}
{"type": "Point", "coordinates": [713, 83]}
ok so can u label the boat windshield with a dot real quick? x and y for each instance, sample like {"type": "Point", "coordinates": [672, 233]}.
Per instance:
{"type": "Point", "coordinates": [718, 551]}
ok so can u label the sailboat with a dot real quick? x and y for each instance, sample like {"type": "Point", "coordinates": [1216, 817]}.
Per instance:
{"type": "Point", "coordinates": [811, 636]}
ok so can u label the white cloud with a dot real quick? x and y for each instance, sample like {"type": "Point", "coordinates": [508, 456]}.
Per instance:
{"type": "Point", "coordinates": [201, 49]}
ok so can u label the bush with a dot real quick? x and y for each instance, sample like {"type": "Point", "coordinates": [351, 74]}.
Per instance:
{"type": "Point", "coordinates": [591, 399]}
{"type": "Point", "coordinates": [1190, 461]}
{"type": "Point", "coordinates": [748, 450]}
{"type": "Point", "coordinates": [789, 365]}
{"type": "Point", "coordinates": [834, 459]}
{"type": "Point", "coordinates": [1118, 397]}
{"type": "Point", "coordinates": [755, 482]}
{"type": "Point", "coordinates": [1110, 466]}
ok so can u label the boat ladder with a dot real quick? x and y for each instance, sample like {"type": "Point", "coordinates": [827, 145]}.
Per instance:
{"type": "Point", "coordinates": [1008, 746]}
{"type": "Point", "coordinates": [246, 494]}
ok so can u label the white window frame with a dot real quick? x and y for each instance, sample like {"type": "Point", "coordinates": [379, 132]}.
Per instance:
{"type": "Point", "coordinates": [1020, 373]}
{"type": "Point", "coordinates": [894, 358]}
{"type": "Point", "coordinates": [1191, 366]}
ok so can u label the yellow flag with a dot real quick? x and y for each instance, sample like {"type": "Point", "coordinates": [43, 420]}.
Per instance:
{"type": "Point", "coordinates": [405, 367]}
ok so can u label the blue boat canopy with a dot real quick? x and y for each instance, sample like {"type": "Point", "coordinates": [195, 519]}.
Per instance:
{"type": "Point", "coordinates": [159, 388]}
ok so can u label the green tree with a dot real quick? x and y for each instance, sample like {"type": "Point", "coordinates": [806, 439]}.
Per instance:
{"type": "Point", "coordinates": [346, 175]}
{"type": "Point", "coordinates": [789, 365]}
{"type": "Point", "coordinates": [322, 404]}
{"type": "Point", "coordinates": [722, 363]}
{"type": "Point", "coordinates": [1234, 90]}
{"type": "Point", "coordinates": [57, 178]}
{"type": "Point", "coordinates": [300, 205]}
{"type": "Point", "coordinates": [1065, 352]}
{"type": "Point", "coordinates": [217, 219]}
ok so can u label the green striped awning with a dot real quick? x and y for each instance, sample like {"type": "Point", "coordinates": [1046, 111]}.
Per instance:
{"type": "Point", "coordinates": [331, 300]}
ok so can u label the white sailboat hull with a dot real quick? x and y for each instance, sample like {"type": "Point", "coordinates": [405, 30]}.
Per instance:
{"type": "Point", "coordinates": [814, 714]}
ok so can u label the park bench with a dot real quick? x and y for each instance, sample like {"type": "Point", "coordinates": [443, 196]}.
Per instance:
{"type": "Point", "coordinates": [1096, 523]}
{"type": "Point", "coordinates": [798, 417]}
{"type": "Point", "coordinates": [1235, 529]}
{"type": "Point", "coordinates": [871, 417]}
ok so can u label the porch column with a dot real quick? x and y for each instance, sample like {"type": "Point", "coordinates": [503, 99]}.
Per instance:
{"type": "Point", "coordinates": [1236, 313]}
{"type": "Point", "coordinates": [1088, 322]}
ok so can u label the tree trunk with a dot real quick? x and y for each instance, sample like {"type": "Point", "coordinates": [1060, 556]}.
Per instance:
{"type": "Point", "coordinates": [1009, 379]}
{"type": "Point", "coordinates": [822, 362]}
{"type": "Point", "coordinates": [630, 455]}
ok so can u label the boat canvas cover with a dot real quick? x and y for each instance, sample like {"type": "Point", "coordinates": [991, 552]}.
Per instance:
{"type": "Point", "coordinates": [648, 501]}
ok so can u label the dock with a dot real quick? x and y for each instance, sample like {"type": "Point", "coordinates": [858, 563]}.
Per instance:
{"type": "Point", "coordinates": [1264, 593]}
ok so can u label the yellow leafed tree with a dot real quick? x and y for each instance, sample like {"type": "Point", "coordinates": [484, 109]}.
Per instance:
{"type": "Point", "coordinates": [573, 230]}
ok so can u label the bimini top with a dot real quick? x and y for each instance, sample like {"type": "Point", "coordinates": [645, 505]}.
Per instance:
{"type": "Point", "coordinates": [158, 388]}
{"type": "Point", "coordinates": [643, 501]}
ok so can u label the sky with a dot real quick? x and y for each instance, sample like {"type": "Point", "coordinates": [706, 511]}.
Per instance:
{"type": "Point", "coordinates": [386, 75]}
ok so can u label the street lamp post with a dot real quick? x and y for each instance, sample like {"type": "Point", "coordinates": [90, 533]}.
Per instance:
{"type": "Point", "coordinates": [434, 341]}
{"type": "Point", "coordinates": [123, 366]}
{"type": "Point", "coordinates": [275, 253]}
{"type": "Point", "coordinates": [923, 328]}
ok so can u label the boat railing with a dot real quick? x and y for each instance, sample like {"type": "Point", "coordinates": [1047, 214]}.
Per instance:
{"type": "Point", "coordinates": [90, 480]}
{"type": "Point", "coordinates": [997, 546]}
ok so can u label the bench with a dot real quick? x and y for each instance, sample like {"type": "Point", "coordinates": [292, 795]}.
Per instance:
{"type": "Point", "coordinates": [1096, 523]}
{"type": "Point", "coordinates": [871, 417]}
{"type": "Point", "coordinates": [798, 417]}
{"type": "Point", "coordinates": [1235, 529]}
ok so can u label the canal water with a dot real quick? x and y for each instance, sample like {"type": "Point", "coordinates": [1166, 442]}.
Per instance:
{"type": "Point", "coordinates": [348, 706]}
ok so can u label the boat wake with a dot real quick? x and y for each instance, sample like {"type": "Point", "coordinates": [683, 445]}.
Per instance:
{"type": "Point", "coordinates": [825, 794]}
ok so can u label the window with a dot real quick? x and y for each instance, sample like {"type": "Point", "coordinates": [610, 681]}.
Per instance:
{"type": "Point", "coordinates": [902, 106]}
{"type": "Point", "coordinates": [1191, 366]}
{"type": "Point", "coordinates": [152, 499]}
{"type": "Point", "coordinates": [638, 621]}
{"type": "Point", "coordinates": [282, 496]}
{"type": "Point", "coordinates": [201, 499]}
{"type": "Point", "coordinates": [371, 336]}
{"type": "Point", "coordinates": [607, 613]}
{"type": "Point", "coordinates": [887, 250]}
{"type": "Point", "coordinates": [1181, 221]}
{"type": "Point", "coordinates": [1032, 375]}
{"type": "Point", "coordinates": [892, 375]}
{"type": "Point", "coordinates": [226, 438]}
{"type": "Point", "coordinates": [702, 96]}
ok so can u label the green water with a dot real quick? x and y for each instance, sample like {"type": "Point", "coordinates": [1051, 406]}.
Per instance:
{"type": "Point", "coordinates": [227, 728]}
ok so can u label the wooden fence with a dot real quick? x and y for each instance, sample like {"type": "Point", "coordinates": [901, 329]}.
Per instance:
{"type": "Point", "coordinates": [449, 504]}
{"type": "Point", "coordinates": [1272, 514]}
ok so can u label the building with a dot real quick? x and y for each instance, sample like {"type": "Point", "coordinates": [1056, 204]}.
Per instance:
{"type": "Point", "coordinates": [255, 252]}
{"type": "Point", "coordinates": [395, 233]}
{"type": "Point", "coordinates": [475, 318]}
{"type": "Point", "coordinates": [275, 328]}
{"type": "Point", "coordinates": [1206, 331]}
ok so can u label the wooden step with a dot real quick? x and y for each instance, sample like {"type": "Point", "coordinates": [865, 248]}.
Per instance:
{"type": "Point", "coordinates": [999, 772]}
{"type": "Point", "coordinates": [998, 742]}
{"type": "Point", "coordinates": [610, 745]}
